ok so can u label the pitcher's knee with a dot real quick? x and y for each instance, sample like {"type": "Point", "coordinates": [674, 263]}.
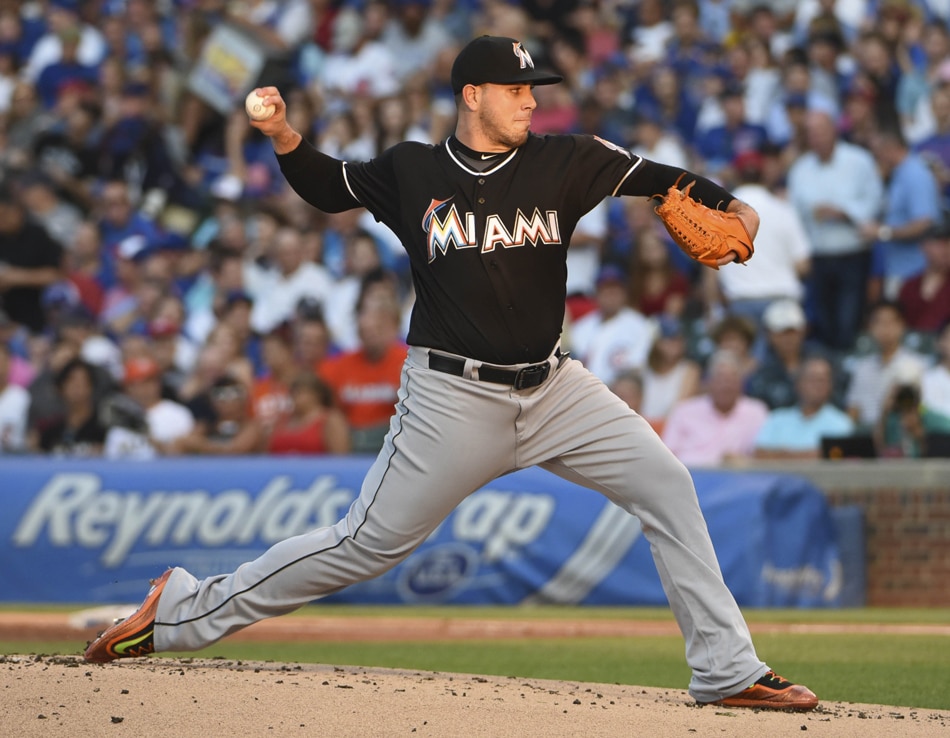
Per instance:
{"type": "Point", "coordinates": [679, 476]}
{"type": "Point", "coordinates": [662, 480]}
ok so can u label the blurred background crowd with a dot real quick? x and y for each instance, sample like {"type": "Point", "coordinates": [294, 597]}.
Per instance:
{"type": "Point", "coordinates": [163, 292]}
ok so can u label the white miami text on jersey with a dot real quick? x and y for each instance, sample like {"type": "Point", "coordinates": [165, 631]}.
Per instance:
{"type": "Point", "coordinates": [459, 229]}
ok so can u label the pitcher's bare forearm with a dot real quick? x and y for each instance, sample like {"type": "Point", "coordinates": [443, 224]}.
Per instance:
{"type": "Point", "coordinates": [286, 141]}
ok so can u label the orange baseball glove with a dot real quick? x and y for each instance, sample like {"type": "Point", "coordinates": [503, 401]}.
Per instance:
{"type": "Point", "coordinates": [704, 234]}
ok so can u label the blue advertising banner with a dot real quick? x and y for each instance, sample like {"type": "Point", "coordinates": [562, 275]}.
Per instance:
{"type": "Point", "coordinates": [95, 532]}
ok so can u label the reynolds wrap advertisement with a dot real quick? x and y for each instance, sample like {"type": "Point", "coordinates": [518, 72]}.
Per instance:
{"type": "Point", "coordinates": [96, 532]}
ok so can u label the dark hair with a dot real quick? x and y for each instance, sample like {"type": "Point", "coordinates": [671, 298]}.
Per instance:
{"type": "Point", "coordinates": [226, 380]}
{"type": "Point", "coordinates": [690, 5]}
{"type": "Point", "coordinates": [310, 381]}
{"type": "Point", "coordinates": [227, 387]}
{"type": "Point", "coordinates": [810, 357]}
{"type": "Point", "coordinates": [72, 365]}
{"type": "Point", "coordinates": [571, 37]}
{"type": "Point", "coordinates": [735, 324]}
{"type": "Point", "coordinates": [270, 211]}
{"type": "Point", "coordinates": [7, 196]}
{"type": "Point", "coordinates": [282, 332]}
{"type": "Point", "coordinates": [906, 398]}
{"type": "Point", "coordinates": [309, 309]}
{"type": "Point", "coordinates": [796, 56]}
{"type": "Point", "coordinates": [885, 304]}
{"type": "Point", "coordinates": [372, 278]}
{"type": "Point", "coordinates": [636, 289]}
{"type": "Point", "coordinates": [891, 132]}
{"type": "Point", "coordinates": [218, 256]}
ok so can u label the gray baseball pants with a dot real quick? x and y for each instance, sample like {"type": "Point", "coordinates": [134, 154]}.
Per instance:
{"type": "Point", "coordinates": [450, 436]}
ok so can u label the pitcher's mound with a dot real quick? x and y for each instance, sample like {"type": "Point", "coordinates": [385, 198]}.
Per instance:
{"type": "Point", "coordinates": [207, 698]}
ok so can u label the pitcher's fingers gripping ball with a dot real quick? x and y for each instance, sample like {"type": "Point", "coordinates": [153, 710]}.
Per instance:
{"type": "Point", "coordinates": [255, 107]}
{"type": "Point", "coordinates": [703, 233]}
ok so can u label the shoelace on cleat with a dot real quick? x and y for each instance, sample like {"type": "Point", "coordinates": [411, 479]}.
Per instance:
{"type": "Point", "coordinates": [774, 681]}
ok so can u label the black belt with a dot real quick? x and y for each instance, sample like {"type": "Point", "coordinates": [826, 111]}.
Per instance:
{"type": "Point", "coordinates": [523, 378]}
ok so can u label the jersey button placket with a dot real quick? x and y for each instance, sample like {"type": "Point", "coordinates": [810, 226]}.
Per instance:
{"type": "Point", "coordinates": [492, 263]}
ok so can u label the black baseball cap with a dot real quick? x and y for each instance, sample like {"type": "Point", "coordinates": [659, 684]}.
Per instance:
{"type": "Point", "coordinates": [499, 60]}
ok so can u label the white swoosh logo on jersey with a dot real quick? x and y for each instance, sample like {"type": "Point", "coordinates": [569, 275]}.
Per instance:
{"type": "Point", "coordinates": [488, 156]}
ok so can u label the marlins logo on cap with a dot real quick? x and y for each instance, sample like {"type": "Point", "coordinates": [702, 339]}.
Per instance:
{"type": "Point", "coordinates": [499, 60]}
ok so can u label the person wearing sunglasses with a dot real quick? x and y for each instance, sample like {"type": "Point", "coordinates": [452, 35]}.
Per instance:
{"type": "Point", "coordinates": [233, 431]}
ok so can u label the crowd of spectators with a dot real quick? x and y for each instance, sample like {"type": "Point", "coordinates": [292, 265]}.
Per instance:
{"type": "Point", "coordinates": [163, 292]}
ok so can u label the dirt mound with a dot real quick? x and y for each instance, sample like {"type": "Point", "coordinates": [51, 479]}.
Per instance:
{"type": "Point", "coordinates": [206, 698]}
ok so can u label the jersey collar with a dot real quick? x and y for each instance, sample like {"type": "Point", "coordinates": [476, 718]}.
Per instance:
{"type": "Point", "coordinates": [497, 161]}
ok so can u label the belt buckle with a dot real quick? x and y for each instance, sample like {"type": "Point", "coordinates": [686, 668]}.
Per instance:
{"type": "Point", "coordinates": [531, 376]}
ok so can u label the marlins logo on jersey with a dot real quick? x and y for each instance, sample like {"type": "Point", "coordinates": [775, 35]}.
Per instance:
{"type": "Point", "coordinates": [459, 229]}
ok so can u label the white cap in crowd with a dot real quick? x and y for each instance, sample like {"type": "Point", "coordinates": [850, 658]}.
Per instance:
{"type": "Point", "coordinates": [783, 315]}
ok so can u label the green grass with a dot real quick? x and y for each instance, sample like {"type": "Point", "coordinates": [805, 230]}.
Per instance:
{"type": "Point", "coordinates": [904, 670]}
{"type": "Point", "coordinates": [869, 615]}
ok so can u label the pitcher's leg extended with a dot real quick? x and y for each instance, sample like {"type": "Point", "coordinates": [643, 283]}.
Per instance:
{"type": "Point", "coordinates": [368, 541]}
{"type": "Point", "coordinates": [608, 448]}
{"type": "Point", "coordinates": [426, 468]}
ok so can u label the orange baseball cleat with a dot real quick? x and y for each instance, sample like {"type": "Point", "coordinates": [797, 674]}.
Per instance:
{"type": "Point", "coordinates": [772, 692]}
{"type": "Point", "coordinates": [131, 636]}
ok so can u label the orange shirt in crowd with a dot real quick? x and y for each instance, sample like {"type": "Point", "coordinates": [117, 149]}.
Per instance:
{"type": "Point", "coordinates": [270, 401]}
{"type": "Point", "coordinates": [365, 390]}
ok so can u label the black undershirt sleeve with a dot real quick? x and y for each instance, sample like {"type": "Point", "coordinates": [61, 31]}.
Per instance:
{"type": "Point", "coordinates": [317, 178]}
{"type": "Point", "coordinates": [652, 178]}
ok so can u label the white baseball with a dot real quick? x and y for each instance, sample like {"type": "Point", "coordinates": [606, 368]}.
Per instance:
{"type": "Point", "coordinates": [255, 107]}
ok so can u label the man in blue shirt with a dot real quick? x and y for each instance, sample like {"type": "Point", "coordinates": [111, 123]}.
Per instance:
{"type": "Point", "coordinates": [837, 189]}
{"type": "Point", "coordinates": [796, 432]}
{"type": "Point", "coordinates": [117, 221]}
{"type": "Point", "coordinates": [720, 145]}
{"type": "Point", "coordinates": [911, 208]}
{"type": "Point", "coordinates": [935, 149]}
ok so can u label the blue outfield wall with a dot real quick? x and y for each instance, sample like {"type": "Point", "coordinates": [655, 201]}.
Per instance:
{"type": "Point", "coordinates": [95, 532]}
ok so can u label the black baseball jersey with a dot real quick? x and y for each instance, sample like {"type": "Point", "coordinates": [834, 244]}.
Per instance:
{"type": "Point", "coordinates": [30, 247]}
{"type": "Point", "coordinates": [487, 247]}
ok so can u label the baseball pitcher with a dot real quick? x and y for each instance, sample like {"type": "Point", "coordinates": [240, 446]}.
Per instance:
{"type": "Point", "coordinates": [486, 217]}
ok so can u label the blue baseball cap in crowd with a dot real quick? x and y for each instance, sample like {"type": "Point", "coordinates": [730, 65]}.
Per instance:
{"type": "Point", "coordinates": [133, 248]}
{"type": "Point", "coordinates": [732, 88]}
{"type": "Point", "coordinates": [235, 296]}
{"type": "Point", "coordinates": [171, 241]}
{"type": "Point", "coordinates": [76, 315]}
{"type": "Point", "coordinates": [796, 100]}
{"type": "Point", "coordinates": [71, 5]}
{"type": "Point", "coordinates": [497, 60]}
{"type": "Point", "coordinates": [669, 327]}
{"type": "Point", "coordinates": [135, 89]}
{"type": "Point", "coordinates": [60, 296]}
{"type": "Point", "coordinates": [611, 274]}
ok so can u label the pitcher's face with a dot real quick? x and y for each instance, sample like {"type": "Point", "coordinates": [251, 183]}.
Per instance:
{"type": "Point", "coordinates": [504, 113]}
